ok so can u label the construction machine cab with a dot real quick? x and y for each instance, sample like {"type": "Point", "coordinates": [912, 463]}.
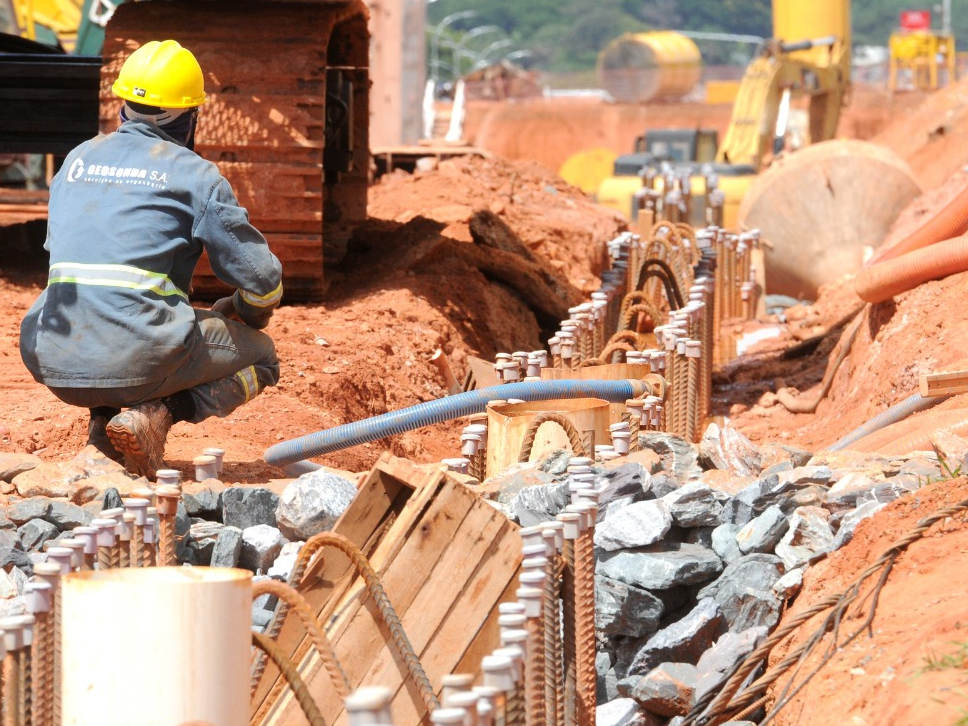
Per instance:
{"type": "Point", "coordinates": [679, 145]}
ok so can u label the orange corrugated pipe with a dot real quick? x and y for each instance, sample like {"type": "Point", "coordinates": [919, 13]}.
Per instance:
{"type": "Point", "coordinates": [949, 222]}
{"type": "Point", "coordinates": [914, 434]}
{"type": "Point", "coordinates": [886, 279]}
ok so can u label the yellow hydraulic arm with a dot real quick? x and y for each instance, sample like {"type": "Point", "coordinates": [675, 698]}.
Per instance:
{"type": "Point", "coordinates": [768, 85]}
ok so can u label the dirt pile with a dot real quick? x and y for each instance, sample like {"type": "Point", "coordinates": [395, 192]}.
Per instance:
{"type": "Point", "coordinates": [476, 257]}
{"type": "Point", "coordinates": [908, 666]}
{"type": "Point", "coordinates": [930, 135]}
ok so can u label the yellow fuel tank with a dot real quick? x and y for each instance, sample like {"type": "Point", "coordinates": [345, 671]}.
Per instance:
{"type": "Point", "coordinates": [639, 67]}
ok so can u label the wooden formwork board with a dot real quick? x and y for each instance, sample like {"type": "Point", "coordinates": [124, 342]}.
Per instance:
{"type": "Point", "coordinates": [446, 559]}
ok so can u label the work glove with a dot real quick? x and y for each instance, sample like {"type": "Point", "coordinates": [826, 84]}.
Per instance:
{"type": "Point", "coordinates": [226, 308]}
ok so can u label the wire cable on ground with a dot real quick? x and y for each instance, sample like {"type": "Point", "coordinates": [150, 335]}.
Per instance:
{"type": "Point", "coordinates": [798, 405]}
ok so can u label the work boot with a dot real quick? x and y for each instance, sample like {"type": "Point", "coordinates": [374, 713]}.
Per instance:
{"type": "Point", "coordinates": [139, 433]}
{"type": "Point", "coordinates": [97, 437]}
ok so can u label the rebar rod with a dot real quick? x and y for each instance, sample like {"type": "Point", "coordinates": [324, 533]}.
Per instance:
{"type": "Point", "coordinates": [586, 676]}
{"type": "Point", "coordinates": [43, 669]}
{"type": "Point", "coordinates": [535, 672]}
{"type": "Point", "coordinates": [554, 701]}
{"type": "Point", "coordinates": [12, 704]}
{"type": "Point", "coordinates": [568, 631]}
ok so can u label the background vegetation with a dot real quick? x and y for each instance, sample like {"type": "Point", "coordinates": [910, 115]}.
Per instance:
{"type": "Point", "coordinates": [566, 35]}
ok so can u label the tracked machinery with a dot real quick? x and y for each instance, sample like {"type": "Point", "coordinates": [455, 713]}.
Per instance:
{"type": "Point", "coordinates": [806, 61]}
{"type": "Point", "coordinates": [286, 119]}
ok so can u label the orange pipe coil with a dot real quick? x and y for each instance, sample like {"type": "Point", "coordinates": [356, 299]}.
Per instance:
{"type": "Point", "coordinates": [886, 279]}
{"type": "Point", "coordinates": [949, 222]}
{"type": "Point", "coordinates": [914, 434]}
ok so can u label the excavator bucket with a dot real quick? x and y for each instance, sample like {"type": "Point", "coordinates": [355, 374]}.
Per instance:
{"type": "Point", "coordinates": [286, 118]}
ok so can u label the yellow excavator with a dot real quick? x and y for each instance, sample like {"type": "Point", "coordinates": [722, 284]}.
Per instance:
{"type": "Point", "coordinates": [807, 60]}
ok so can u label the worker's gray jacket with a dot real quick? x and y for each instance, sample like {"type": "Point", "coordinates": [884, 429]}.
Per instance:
{"type": "Point", "coordinates": [130, 214]}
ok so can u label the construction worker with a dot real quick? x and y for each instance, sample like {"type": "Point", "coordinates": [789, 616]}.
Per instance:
{"type": "Point", "coordinates": [130, 214]}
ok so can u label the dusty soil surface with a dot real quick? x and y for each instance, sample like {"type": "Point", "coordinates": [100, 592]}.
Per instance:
{"type": "Point", "coordinates": [910, 666]}
{"type": "Point", "coordinates": [930, 135]}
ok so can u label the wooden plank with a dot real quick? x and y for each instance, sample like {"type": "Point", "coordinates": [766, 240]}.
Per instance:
{"type": "Point", "coordinates": [944, 384]}
{"type": "Point", "coordinates": [471, 607]}
{"type": "Point", "coordinates": [470, 544]}
{"type": "Point", "coordinates": [381, 495]}
{"type": "Point", "coordinates": [356, 626]}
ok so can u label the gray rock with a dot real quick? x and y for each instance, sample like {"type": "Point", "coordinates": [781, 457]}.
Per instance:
{"type": "Point", "coordinates": [536, 504]}
{"type": "Point", "coordinates": [660, 566]}
{"type": "Point", "coordinates": [312, 504]}
{"type": "Point", "coordinates": [745, 592]}
{"type": "Point", "coordinates": [724, 542]}
{"type": "Point", "coordinates": [760, 571]}
{"type": "Point", "coordinates": [694, 505]}
{"type": "Point", "coordinates": [203, 536]}
{"type": "Point", "coordinates": [849, 522]}
{"type": "Point", "coordinates": [27, 509]}
{"type": "Point", "coordinates": [619, 712]}
{"type": "Point", "coordinates": [667, 690]}
{"type": "Point", "coordinates": [111, 499]}
{"type": "Point", "coordinates": [13, 607]}
{"type": "Point", "coordinates": [779, 468]}
{"type": "Point", "coordinates": [773, 453]}
{"type": "Point", "coordinates": [556, 463]}
{"type": "Point", "coordinates": [850, 488]}
{"type": "Point", "coordinates": [629, 480]}
{"type": "Point", "coordinates": [12, 464]}
{"type": "Point", "coordinates": [261, 545]}
{"type": "Point", "coordinates": [680, 459]}
{"type": "Point", "coordinates": [717, 663]}
{"type": "Point", "coordinates": [203, 500]}
{"type": "Point", "coordinates": [728, 449]}
{"type": "Point", "coordinates": [789, 585]}
{"type": "Point", "coordinates": [227, 551]}
{"type": "Point", "coordinates": [12, 552]}
{"type": "Point", "coordinates": [614, 506]}
{"type": "Point", "coordinates": [35, 533]}
{"type": "Point", "coordinates": [767, 491]}
{"type": "Point", "coordinates": [923, 468]}
{"type": "Point", "coordinates": [882, 493]}
{"type": "Point", "coordinates": [65, 515]}
{"type": "Point", "coordinates": [661, 485]}
{"type": "Point", "coordinates": [702, 536]}
{"type": "Point", "coordinates": [764, 532]}
{"type": "Point", "coordinates": [808, 538]}
{"type": "Point", "coordinates": [741, 507]}
{"type": "Point", "coordinates": [606, 685]}
{"type": "Point", "coordinates": [260, 618]}
{"type": "Point", "coordinates": [5, 522]}
{"type": "Point", "coordinates": [622, 609]}
{"type": "Point", "coordinates": [910, 482]}
{"type": "Point", "coordinates": [683, 641]}
{"type": "Point", "coordinates": [803, 475]}
{"type": "Point", "coordinates": [637, 525]}
{"type": "Point", "coordinates": [245, 507]}
{"type": "Point", "coordinates": [283, 565]}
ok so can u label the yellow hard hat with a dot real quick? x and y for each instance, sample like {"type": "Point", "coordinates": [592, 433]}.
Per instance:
{"type": "Point", "coordinates": [163, 74]}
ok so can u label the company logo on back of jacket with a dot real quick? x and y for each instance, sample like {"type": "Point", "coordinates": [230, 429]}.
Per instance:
{"type": "Point", "coordinates": [122, 174]}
